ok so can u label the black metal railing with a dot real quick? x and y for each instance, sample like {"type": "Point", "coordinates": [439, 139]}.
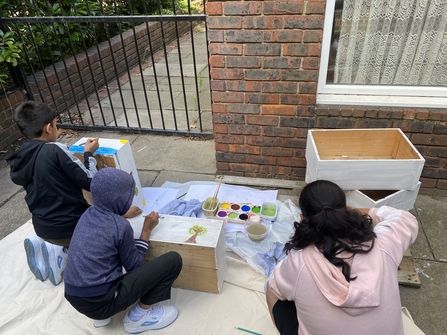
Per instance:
{"type": "Point", "coordinates": [104, 70]}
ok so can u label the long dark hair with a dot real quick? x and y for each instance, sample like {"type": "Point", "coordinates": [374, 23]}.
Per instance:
{"type": "Point", "coordinates": [330, 225]}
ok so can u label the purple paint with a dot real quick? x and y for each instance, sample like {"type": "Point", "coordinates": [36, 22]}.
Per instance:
{"type": "Point", "coordinates": [222, 214]}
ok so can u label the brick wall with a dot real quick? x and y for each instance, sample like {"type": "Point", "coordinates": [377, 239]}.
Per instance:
{"type": "Point", "coordinates": [9, 132]}
{"type": "Point", "coordinates": [55, 84]}
{"type": "Point", "coordinates": [264, 61]}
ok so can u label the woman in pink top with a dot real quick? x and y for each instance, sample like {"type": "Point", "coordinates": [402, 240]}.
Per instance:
{"type": "Point", "coordinates": [340, 273]}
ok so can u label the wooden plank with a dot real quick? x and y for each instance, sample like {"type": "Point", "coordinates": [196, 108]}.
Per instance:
{"type": "Point", "coordinates": [261, 182]}
{"type": "Point", "coordinates": [406, 273]}
{"type": "Point", "coordinates": [198, 279]}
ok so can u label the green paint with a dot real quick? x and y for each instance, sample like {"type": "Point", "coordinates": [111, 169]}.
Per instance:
{"type": "Point", "coordinates": [256, 209]}
{"type": "Point", "coordinates": [269, 212]}
{"type": "Point", "coordinates": [232, 215]}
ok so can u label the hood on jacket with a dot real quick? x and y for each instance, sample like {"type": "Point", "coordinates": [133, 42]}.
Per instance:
{"type": "Point", "coordinates": [357, 296]}
{"type": "Point", "coordinates": [23, 160]}
{"type": "Point", "coordinates": [112, 190]}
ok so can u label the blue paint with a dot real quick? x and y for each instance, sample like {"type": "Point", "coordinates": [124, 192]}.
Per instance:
{"type": "Point", "coordinates": [245, 208]}
{"type": "Point", "coordinates": [79, 149]}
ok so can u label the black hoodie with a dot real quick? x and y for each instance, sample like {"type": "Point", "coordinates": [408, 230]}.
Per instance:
{"type": "Point", "coordinates": [53, 180]}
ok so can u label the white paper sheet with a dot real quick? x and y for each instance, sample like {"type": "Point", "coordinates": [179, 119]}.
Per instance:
{"type": "Point", "coordinates": [157, 198]}
{"type": "Point", "coordinates": [228, 193]}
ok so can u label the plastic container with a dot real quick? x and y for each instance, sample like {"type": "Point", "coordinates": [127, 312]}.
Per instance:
{"type": "Point", "coordinates": [269, 211]}
{"type": "Point", "coordinates": [210, 206]}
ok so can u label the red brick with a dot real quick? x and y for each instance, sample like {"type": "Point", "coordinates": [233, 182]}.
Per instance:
{"type": "Point", "coordinates": [278, 131]}
{"type": "Point", "coordinates": [223, 147]}
{"type": "Point", "coordinates": [278, 110]}
{"type": "Point", "coordinates": [243, 86]}
{"type": "Point", "coordinates": [226, 138]}
{"type": "Point", "coordinates": [262, 120]}
{"type": "Point", "coordinates": [441, 184]}
{"type": "Point", "coordinates": [409, 114]}
{"type": "Point", "coordinates": [244, 149]}
{"type": "Point", "coordinates": [292, 162]}
{"type": "Point", "coordinates": [263, 22]}
{"type": "Point", "coordinates": [315, 7]}
{"type": "Point", "coordinates": [428, 182]}
{"type": "Point", "coordinates": [219, 108]}
{"type": "Point", "coordinates": [217, 61]}
{"type": "Point", "coordinates": [217, 85]}
{"type": "Point", "coordinates": [422, 114]}
{"type": "Point", "coordinates": [257, 159]}
{"type": "Point", "coordinates": [275, 8]}
{"type": "Point", "coordinates": [220, 128]}
{"type": "Point", "coordinates": [227, 97]}
{"type": "Point", "coordinates": [225, 49]}
{"type": "Point", "coordinates": [244, 167]}
{"type": "Point", "coordinates": [222, 166]}
{"type": "Point", "coordinates": [242, 8]}
{"type": "Point", "coordinates": [231, 22]}
{"type": "Point", "coordinates": [227, 74]}
{"type": "Point", "coordinates": [283, 36]}
{"type": "Point", "coordinates": [429, 139]}
{"type": "Point", "coordinates": [213, 8]}
{"type": "Point", "coordinates": [262, 98]}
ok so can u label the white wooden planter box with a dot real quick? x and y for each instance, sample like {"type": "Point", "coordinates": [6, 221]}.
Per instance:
{"type": "Point", "coordinates": [113, 153]}
{"type": "Point", "coordinates": [402, 199]}
{"type": "Point", "coordinates": [368, 159]}
{"type": "Point", "coordinates": [200, 242]}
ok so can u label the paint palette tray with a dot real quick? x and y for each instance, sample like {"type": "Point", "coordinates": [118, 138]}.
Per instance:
{"type": "Point", "coordinates": [237, 212]}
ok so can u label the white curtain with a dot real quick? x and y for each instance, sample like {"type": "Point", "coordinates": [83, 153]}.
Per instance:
{"type": "Point", "coordinates": [392, 42]}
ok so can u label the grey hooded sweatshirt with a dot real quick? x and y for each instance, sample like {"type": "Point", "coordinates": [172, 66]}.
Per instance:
{"type": "Point", "coordinates": [103, 241]}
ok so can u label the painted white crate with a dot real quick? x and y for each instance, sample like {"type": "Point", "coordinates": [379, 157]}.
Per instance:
{"type": "Point", "coordinates": [114, 153]}
{"type": "Point", "coordinates": [368, 159]}
{"type": "Point", "coordinates": [200, 242]}
{"type": "Point", "coordinates": [402, 199]}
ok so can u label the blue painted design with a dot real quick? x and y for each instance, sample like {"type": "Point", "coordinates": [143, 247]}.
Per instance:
{"type": "Point", "coordinates": [149, 323]}
{"type": "Point", "coordinates": [79, 149]}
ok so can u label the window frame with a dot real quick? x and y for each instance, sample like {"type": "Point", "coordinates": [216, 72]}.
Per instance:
{"type": "Point", "coordinates": [370, 95]}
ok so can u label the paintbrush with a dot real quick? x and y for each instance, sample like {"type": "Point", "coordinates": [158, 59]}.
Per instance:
{"type": "Point", "coordinates": [214, 199]}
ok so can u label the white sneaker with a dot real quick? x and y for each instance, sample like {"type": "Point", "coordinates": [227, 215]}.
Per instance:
{"type": "Point", "coordinates": [157, 317]}
{"type": "Point", "coordinates": [34, 257]}
{"type": "Point", "coordinates": [55, 258]}
{"type": "Point", "coordinates": [101, 323]}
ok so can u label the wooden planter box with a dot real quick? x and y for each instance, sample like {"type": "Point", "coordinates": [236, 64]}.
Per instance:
{"type": "Point", "coordinates": [200, 242]}
{"type": "Point", "coordinates": [403, 199]}
{"type": "Point", "coordinates": [368, 159]}
{"type": "Point", "coordinates": [113, 153]}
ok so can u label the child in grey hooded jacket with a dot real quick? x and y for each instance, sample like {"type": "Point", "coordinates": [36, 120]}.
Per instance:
{"type": "Point", "coordinates": [102, 245]}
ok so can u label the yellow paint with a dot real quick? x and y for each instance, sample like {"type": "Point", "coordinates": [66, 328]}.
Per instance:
{"type": "Point", "coordinates": [225, 205]}
{"type": "Point", "coordinates": [124, 141]}
{"type": "Point", "coordinates": [144, 202]}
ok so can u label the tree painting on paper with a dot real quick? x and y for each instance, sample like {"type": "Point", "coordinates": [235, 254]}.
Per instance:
{"type": "Point", "coordinates": [196, 231]}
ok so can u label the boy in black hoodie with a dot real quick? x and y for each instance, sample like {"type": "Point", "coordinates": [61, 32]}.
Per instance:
{"type": "Point", "coordinates": [53, 180]}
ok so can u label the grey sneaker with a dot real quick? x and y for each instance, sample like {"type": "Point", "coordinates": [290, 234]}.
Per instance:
{"type": "Point", "coordinates": [34, 257]}
{"type": "Point", "coordinates": [101, 323]}
{"type": "Point", "coordinates": [55, 258]}
{"type": "Point", "coordinates": [157, 317]}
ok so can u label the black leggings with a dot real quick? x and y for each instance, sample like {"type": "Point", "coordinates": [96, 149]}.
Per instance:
{"type": "Point", "coordinates": [151, 283]}
{"type": "Point", "coordinates": [286, 321]}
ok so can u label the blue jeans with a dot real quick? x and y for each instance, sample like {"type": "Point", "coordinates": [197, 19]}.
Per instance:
{"type": "Point", "coordinates": [151, 283]}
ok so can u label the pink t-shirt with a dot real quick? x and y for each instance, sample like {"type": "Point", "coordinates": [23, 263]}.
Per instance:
{"type": "Point", "coordinates": [369, 305]}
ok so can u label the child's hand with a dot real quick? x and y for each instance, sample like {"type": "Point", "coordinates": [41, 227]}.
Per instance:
{"type": "Point", "coordinates": [150, 222]}
{"type": "Point", "coordinates": [91, 145]}
{"type": "Point", "coordinates": [132, 212]}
